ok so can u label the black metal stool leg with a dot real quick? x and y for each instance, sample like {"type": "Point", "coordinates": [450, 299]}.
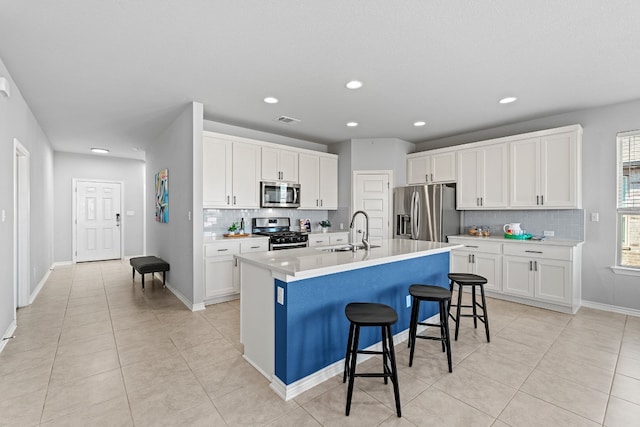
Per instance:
{"type": "Point", "coordinates": [484, 311]}
{"type": "Point", "coordinates": [385, 353]}
{"type": "Point", "coordinates": [347, 357]}
{"type": "Point", "coordinates": [447, 338]}
{"type": "Point", "coordinates": [352, 369]}
{"type": "Point", "coordinates": [394, 370]}
{"type": "Point", "coordinates": [457, 318]}
{"type": "Point", "coordinates": [474, 304]}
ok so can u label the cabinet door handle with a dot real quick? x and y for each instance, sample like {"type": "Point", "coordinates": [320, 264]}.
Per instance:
{"type": "Point", "coordinates": [535, 265]}
{"type": "Point", "coordinates": [317, 203]}
{"type": "Point", "coordinates": [473, 258]}
{"type": "Point", "coordinates": [470, 246]}
{"type": "Point", "coordinates": [426, 178]}
{"type": "Point", "coordinates": [534, 252]}
{"type": "Point", "coordinates": [255, 247]}
{"type": "Point", "coordinates": [431, 177]}
{"type": "Point", "coordinates": [234, 200]}
{"type": "Point", "coordinates": [236, 259]}
{"type": "Point", "coordinates": [481, 201]}
{"type": "Point", "coordinates": [537, 200]}
{"type": "Point", "coordinates": [321, 202]}
{"type": "Point", "coordinates": [530, 265]}
{"type": "Point", "coordinates": [222, 250]}
{"type": "Point", "coordinates": [227, 199]}
{"type": "Point", "coordinates": [542, 199]}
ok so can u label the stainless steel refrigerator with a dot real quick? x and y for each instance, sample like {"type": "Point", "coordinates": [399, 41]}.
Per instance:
{"type": "Point", "coordinates": [426, 212]}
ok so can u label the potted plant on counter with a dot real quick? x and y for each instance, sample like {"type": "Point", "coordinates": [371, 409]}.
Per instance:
{"type": "Point", "coordinates": [325, 224]}
{"type": "Point", "coordinates": [233, 229]}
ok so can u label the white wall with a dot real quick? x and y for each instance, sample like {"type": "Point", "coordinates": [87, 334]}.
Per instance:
{"type": "Point", "coordinates": [17, 121]}
{"type": "Point", "coordinates": [68, 166]}
{"type": "Point", "coordinates": [179, 242]}
{"type": "Point", "coordinates": [382, 154]}
{"type": "Point", "coordinates": [599, 283]}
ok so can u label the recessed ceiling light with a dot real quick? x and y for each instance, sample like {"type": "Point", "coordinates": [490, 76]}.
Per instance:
{"type": "Point", "coordinates": [100, 150]}
{"type": "Point", "coordinates": [271, 100]}
{"type": "Point", "coordinates": [418, 124]}
{"type": "Point", "coordinates": [352, 124]}
{"type": "Point", "coordinates": [508, 100]}
{"type": "Point", "coordinates": [354, 84]}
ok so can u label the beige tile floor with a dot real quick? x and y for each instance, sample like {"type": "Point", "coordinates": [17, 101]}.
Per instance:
{"type": "Point", "coordinates": [95, 350]}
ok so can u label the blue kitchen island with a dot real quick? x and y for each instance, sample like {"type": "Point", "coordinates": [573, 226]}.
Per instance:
{"type": "Point", "coordinates": [292, 303]}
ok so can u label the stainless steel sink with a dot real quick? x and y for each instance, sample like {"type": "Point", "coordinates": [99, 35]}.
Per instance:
{"type": "Point", "coordinates": [344, 248]}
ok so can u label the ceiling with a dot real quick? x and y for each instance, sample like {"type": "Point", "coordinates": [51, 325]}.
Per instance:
{"type": "Point", "coordinates": [115, 73]}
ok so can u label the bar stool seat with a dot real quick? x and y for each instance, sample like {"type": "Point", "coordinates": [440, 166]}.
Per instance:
{"type": "Point", "coordinates": [378, 315]}
{"type": "Point", "coordinates": [473, 280]}
{"type": "Point", "coordinates": [443, 297]}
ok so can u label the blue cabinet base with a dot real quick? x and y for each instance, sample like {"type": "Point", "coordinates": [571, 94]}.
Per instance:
{"type": "Point", "coordinates": [310, 326]}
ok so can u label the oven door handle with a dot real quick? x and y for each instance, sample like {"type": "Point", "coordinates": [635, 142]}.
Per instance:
{"type": "Point", "coordinates": [281, 246]}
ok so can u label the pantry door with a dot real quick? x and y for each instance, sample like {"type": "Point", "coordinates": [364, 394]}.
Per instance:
{"type": "Point", "coordinates": [98, 220]}
{"type": "Point", "coordinates": [371, 193]}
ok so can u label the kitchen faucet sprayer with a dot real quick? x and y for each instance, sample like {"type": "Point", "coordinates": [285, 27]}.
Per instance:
{"type": "Point", "coordinates": [365, 238]}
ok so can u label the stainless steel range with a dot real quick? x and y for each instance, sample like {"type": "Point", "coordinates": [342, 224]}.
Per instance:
{"type": "Point", "coordinates": [279, 232]}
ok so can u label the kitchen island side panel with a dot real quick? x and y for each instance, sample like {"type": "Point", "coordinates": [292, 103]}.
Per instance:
{"type": "Point", "coordinates": [311, 329]}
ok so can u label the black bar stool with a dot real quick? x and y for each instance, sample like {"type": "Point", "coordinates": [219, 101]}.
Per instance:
{"type": "Point", "coordinates": [371, 314]}
{"type": "Point", "coordinates": [443, 297]}
{"type": "Point", "coordinates": [473, 280]}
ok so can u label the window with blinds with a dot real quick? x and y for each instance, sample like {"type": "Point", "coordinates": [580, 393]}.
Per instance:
{"type": "Point", "coordinates": [629, 199]}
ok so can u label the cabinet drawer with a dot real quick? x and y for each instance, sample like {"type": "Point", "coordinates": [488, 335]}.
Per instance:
{"type": "Point", "coordinates": [478, 246]}
{"type": "Point", "coordinates": [538, 251]}
{"type": "Point", "coordinates": [221, 248]}
{"type": "Point", "coordinates": [261, 245]}
{"type": "Point", "coordinates": [318, 240]}
{"type": "Point", "coordinates": [339, 238]}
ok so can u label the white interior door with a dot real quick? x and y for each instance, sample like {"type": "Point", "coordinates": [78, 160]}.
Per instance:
{"type": "Point", "coordinates": [98, 225]}
{"type": "Point", "coordinates": [22, 214]}
{"type": "Point", "coordinates": [371, 191]}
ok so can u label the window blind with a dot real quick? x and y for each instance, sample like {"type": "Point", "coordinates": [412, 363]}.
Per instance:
{"type": "Point", "coordinates": [629, 171]}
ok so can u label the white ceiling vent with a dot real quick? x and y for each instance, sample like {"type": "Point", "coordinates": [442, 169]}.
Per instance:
{"type": "Point", "coordinates": [287, 120]}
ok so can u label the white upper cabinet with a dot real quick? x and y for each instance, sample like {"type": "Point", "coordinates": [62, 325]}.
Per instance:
{"type": "Point", "coordinates": [217, 172]}
{"type": "Point", "coordinates": [431, 167]}
{"type": "Point", "coordinates": [545, 172]}
{"type": "Point", "coordinates": [482, 178]}
{"type": "Point", "coordinates": [230, 173]}
{"type": "Point", "coordinates": [318, 180]}
{"type": "Point", "coordinates": [279, 165]}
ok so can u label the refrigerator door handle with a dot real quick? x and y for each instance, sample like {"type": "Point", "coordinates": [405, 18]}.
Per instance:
{"type": "Point", "coordinates": [415, 214]}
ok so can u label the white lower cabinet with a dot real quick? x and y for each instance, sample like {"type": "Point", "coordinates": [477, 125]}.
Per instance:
{"type": "Point", "coordinates": [538, 272]}
{"type": "Point", "coordinates": [483, 258]}
{"type": "Point", "coordinates": [544, 275]}
{"type": "Point", "coordinates": [221, 274]}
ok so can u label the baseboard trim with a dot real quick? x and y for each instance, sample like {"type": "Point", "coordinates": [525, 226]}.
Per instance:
{"type": "Point", "coordinates": [61, 263]}
{"type": "Point", "coordinates": [38, 288]}
{"type": "Point", "coordinates": [8, 333]}
{"type": "Point", "coordinates": [180, 296]}
{"type": "Point", "coordinates": [611, 308]}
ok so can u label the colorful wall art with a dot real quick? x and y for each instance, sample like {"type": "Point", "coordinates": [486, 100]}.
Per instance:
{"type": "Point", "coordinates": [162, 196]}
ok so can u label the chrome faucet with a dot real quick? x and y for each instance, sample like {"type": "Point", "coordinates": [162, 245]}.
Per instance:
{"type": "Point", "coordinates": [365, 238]}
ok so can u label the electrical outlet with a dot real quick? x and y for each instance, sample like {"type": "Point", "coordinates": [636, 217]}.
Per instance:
{"type": "Point", "coordinates": [595, 216]}
{"type": "Point", "coordinates": [408, 301]}
{"type": "Point", "coordinates": [280, 295]}
{"type": "Point", "coordinates": [549, 233]}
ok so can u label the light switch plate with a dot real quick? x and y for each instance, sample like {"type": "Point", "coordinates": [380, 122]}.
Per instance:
{"type": "Point", "coordinates": [280, 295]}
{"type": "Point", "coordinates": [595, 216]}
{"type": "Point", "coordinates": [549, 233]}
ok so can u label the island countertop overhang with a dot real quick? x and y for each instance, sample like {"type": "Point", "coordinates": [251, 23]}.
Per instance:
{"type": "Point", "coordinates": [296, 264]}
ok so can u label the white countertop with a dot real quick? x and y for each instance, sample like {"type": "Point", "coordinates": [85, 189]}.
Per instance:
{"type": "Point", "coordinates": [549, 241]}
{"type": "Point", "coordinates": [295, 264]}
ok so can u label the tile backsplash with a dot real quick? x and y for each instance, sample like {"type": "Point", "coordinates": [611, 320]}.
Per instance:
{"type": "Point", "coordinates": [217, 221]}
{"type": "Point", "coordinates": [565, 223]}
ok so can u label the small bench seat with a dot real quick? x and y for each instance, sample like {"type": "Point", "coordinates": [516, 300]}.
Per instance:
{"type": "Point", "coordinates": [148, 264]}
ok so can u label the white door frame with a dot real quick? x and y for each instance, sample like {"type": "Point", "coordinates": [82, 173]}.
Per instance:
{"type": "Point", "coordinates": [390, 175]}
{"type": "Point", "coordinates": [74, 214]}
{"type": "Point", "coordinates": [21, 221]}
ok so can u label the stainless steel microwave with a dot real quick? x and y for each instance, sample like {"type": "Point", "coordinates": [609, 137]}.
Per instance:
{"type": "Point", "coordinates": [279, 195]}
